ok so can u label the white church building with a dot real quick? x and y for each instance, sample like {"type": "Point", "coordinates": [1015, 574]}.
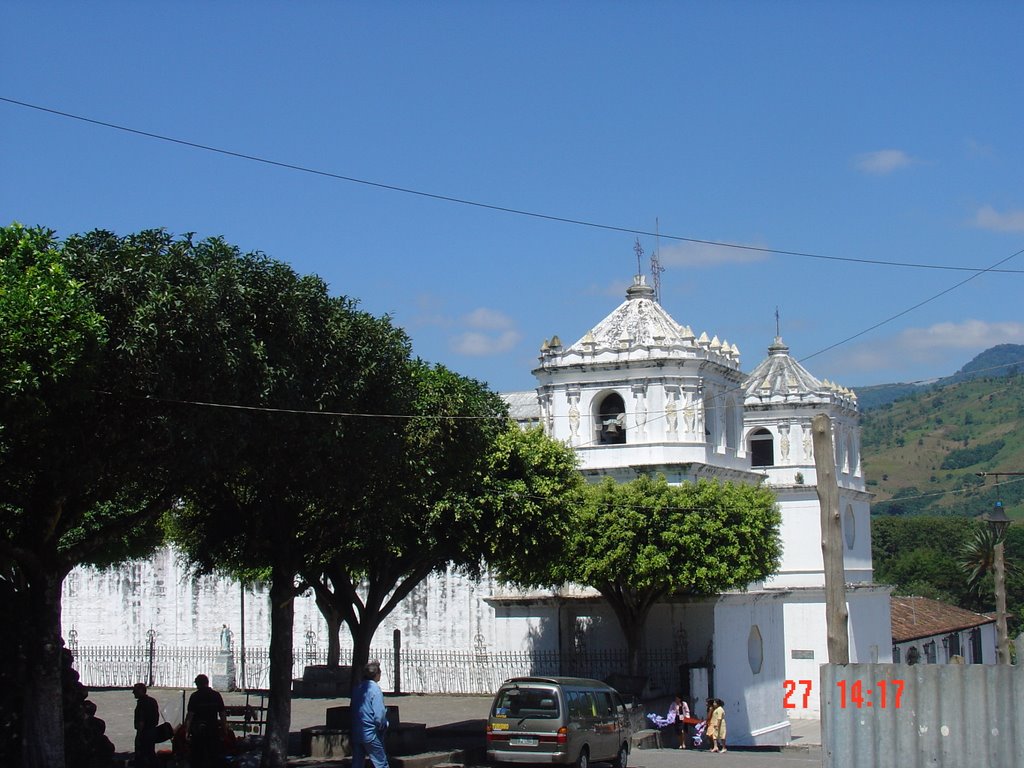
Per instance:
{"type": "Point", "coordinates": [637, 394]}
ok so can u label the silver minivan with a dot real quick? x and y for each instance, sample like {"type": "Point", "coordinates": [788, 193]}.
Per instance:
{"type": "Point", "coordinates": [558, 720]}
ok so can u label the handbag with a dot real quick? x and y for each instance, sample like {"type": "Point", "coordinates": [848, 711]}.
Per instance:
{"type": "Point", "coordinates": [163, 732]}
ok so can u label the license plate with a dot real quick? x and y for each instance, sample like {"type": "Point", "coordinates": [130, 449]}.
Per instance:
{"type": "Point", "coordinates": [522, 741]}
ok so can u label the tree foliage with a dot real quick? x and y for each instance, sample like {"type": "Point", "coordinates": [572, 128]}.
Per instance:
{"type": "Point", "coordinates": [302, 364]}
{"type": "Point", "coordinates": [463, 484]}
{"type": "Point", "coordinates": [639, 541]}
{"type": "Point", "coordinates": [948, 558]}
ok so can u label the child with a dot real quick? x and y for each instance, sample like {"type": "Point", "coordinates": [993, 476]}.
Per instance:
{"type": "Point", "coordinates": [677, 710]}
{"type": "Point", "coordinates": [716, 726]}
{"type": "Point", "coordinates": [682, 715]}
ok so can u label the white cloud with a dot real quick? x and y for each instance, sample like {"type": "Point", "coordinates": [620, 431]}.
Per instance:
{"type": "Point", "coordinates": [882, 162]}
{"type": "Point", "coordinates": [488, 319]}
{"type": "Point", "coordinates": [476, 344]}
{"type": "Point", "coordinates": [927, 347]}
{"type": "Point", "coordinates": [709, 255]}
{"type": "Point", "coordinates": [479, 333]}
{"type": "Point", "coordinates": [989, 218]}
{"type": "Point", "coordinates": [490, 333]}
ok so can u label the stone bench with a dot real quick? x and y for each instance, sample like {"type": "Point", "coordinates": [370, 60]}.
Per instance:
{"type": "Point", "coordinates": [334, 738]}
{"type": "Point", "coordinates": [321, 681]}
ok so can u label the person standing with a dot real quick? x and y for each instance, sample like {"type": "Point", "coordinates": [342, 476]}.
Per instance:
{"type": "Point", "coordinates": [716, 729]}
{"type": "Point", "coordinates": [204, 724]}
{"type": "Point", "coordinates": [369, 720]}
{"type": "Point", "coordinates": [147, 718]}
{"type": "Point", "coordinates": [682, 715]}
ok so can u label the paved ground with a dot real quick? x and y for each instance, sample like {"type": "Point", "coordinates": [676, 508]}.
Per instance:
{"type": "Point", "coordinates": [117, 706]}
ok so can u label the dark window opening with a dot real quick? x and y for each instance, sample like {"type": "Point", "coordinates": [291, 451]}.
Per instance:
{"type": "Point", "coordinates": [975, 641]}
{"type": "Point", "coordinates": [762, 449]}
{"type": "Point", "coordinates": [611, 429]}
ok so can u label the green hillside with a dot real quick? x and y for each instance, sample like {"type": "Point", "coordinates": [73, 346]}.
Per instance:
{"type": "Point", "coordinates": [922, 453]}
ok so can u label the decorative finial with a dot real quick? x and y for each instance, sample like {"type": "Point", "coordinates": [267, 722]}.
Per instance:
{"type": "Point", "coordinates": [638, 249]}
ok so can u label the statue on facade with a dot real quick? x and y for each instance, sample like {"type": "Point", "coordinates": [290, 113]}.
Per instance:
{"type": "Point", "coordinates": [784, 442]}
{"type": "Point", "coordinates": [641, 410]}
{"type": "Point", "coordinates": [672, 414]}
{"type": "Point", "coordinates": [689, 415]}
{"type": "Point", "coordinates": [574, 420]}
{"type": "Point", "coordinates": [225, 638]}
{"type": "Point", "coordinates": [808, 445]}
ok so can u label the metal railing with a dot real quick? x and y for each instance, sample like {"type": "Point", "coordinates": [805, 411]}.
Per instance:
{"type": "Point", "coordinates": [422, 671]}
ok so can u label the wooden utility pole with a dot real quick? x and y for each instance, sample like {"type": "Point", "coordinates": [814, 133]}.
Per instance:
{"type": "Point", "coordinates": [836, 616]}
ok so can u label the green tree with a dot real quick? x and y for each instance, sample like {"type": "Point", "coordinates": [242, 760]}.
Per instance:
{"type": "Point", "coordinates": [316, 373]}
{"type": "Point", "coordinates": [639, 541]}
{"type": "Point", "coordinates": [50, 338]}
{"type": "Point", "coordinates": [92, 328]}
{"type": "Point", "coordinates": [465, 484]}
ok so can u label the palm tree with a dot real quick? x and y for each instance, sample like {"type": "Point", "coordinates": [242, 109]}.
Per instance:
{"type": "Point", "coordinates": [977, 557]}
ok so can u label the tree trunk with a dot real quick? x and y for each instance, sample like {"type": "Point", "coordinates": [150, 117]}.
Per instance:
{"type": "Point", "coordinates": [362, 637]}
{"type": "Point", "coordinates": [632, 615]}
{"type": "Point", "coordinates": [334, 620]}
{"type": "Point", "coordinates": [634, 637]}
{"type": "Point", "coordinates": [279, 705]}
{"type": "Point", "coordinates": [836, 614]}
{"type": "Point", "coordinates": [43, 732]}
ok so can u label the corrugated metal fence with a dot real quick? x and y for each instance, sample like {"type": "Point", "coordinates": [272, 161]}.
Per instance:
{"type": "Point", "coordinates": [422, 671]}
{"type": "Point", "coordinates": [900, 715]}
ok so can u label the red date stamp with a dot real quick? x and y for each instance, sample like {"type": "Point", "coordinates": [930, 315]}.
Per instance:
{"type": "Point", "coordinates": [885, 694]}
{"type": "Point", "coordinates": [791, 686]}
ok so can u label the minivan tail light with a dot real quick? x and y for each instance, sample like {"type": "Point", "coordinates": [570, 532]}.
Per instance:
{"type": "Point", "coordinates": [563, 735]}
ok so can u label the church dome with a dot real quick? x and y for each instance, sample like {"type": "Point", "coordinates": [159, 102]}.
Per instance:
{"type": "Point", "coordinates": [638, 322]}
{"type": "Point", "coordinates": [781, 378]}
{"type": "Point", "coordinates": [780, 375]}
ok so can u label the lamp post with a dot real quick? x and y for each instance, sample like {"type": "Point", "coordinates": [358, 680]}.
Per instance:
{"type": "Point", "coordinates": [998, 522]}
{"type": "Point", "coordinates": [151, 637]}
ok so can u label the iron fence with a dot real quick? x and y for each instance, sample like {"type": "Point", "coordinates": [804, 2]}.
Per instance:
{"type": "Point", "coordinates": [422, 671]}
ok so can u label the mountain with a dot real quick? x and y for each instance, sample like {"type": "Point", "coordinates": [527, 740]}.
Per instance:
{"type": "Point", "coordinates": [924, 452]}
{"type": "Point", "coordinates": [1000, 360]}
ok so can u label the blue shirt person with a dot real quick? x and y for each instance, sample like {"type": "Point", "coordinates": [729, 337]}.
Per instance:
{"type": "Point", "coordinates": [369, 720]}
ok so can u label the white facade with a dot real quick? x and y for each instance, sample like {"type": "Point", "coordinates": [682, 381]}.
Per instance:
{"type": "Point", "coordinates": [638, 393]}
{"type": "Point", "coordinates": [641, 393]}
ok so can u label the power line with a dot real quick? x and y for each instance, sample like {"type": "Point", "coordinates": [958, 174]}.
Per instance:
{"type": "Point", "coordinates": [916, 306]}
{"type": "Point", "coordinates": [297, 411]}
{"type": "Point", "coordinates": [488, 206]}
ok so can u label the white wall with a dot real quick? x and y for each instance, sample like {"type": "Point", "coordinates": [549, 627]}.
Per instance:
{"type": "Point", "coordinates": [807, 641]}
{"type": "Point", "coordinates": [753, 700]}
{"type": "Point", "coordinates": [117, 606]}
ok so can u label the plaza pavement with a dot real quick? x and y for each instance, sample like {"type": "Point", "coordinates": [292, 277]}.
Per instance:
{"type": "Point", "coordinates": [116, 708]}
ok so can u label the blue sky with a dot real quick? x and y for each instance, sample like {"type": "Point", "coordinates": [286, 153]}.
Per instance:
{"type": "Point", "coordinates": [876, 131]}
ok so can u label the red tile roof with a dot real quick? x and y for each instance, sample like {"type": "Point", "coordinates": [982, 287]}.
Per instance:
{"type": "Point", "coordinates": [916, 617]}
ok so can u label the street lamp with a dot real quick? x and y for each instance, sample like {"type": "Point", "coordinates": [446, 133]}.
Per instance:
{"type": "Point", "coordinates": [151, 637]}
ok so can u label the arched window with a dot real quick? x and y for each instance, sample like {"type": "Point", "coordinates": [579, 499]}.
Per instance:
{"type": "Point", "coordinates": [611, 420]}
{"type": "Point", "coordinates": [762, 449]}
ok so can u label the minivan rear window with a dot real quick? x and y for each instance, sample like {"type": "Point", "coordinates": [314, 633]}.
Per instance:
{"type": "Point", "coordinates": [536, 703]}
